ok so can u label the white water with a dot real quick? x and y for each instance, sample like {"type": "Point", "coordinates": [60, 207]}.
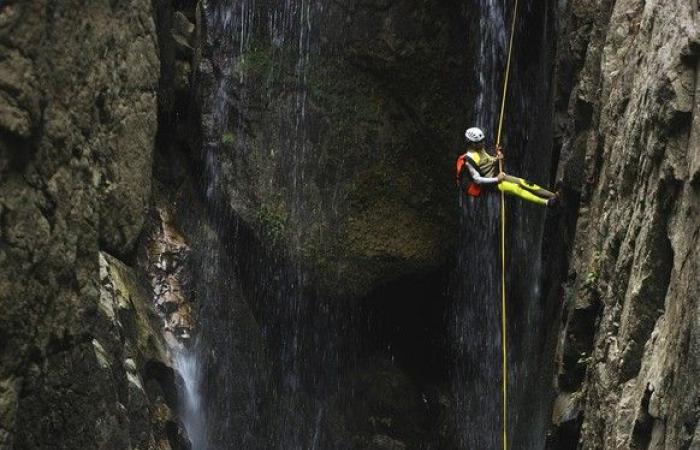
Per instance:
{"type": "Point", "coordinates": [231, 24]}
{"type": "Point", "coordinates": [188, 366]}
{"type": "Point", "coordinates": [477, 324]}
{"type": "Point", "coordinates": [493, 34]}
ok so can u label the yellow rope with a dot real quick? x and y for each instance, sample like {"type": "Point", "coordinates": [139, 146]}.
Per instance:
{"type": "Point", "coordinates": [504, 331]}
{"type": "Point", "coordinates": [505, 80]}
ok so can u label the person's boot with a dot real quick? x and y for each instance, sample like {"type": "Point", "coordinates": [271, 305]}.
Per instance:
{"type": "Point", "coordinates": [555, 201]}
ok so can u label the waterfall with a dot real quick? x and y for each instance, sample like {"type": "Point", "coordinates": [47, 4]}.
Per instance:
{"type": "Point", "coordinates": [265, 365]}
{"type": "Point", "coordinates": [489, 63]}
{"type": "Point", "coordinates": [211, 356]}
{"type": "Point", "coordinates": [187, 364]}
{"type": "Point", "coordinates": [229, 402]}
{"type": "Point", "coordinates": [476, 316]}
{"type": "Point", "coordinates": [476, 377]}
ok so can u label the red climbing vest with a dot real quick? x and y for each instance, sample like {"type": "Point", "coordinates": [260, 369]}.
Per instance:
{"type": "Point", "coordinates": [472, 189]}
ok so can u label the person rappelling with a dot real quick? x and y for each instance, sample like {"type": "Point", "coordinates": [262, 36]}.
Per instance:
{"type": "Point", "coordinates": [478, 170]}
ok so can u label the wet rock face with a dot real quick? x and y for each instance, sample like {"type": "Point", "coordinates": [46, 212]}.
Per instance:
{"type": "Point", "coordinates": [151, 405]}
{"type": "Point", "coordinates": [165, 261]}
{"type": "Point", "coordinates": [77, 126]}
{"type": "Point", "coordinates": [628, 353]}
{"type": "Point", "coordinates": [338, 151]}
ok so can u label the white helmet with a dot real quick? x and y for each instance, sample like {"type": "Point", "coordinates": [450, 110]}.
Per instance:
{"type": "Point", "coordinates": [474, 134]}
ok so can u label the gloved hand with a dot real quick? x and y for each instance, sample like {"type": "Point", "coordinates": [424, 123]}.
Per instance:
{"type": "Point", "coordinates": [499, 152]}
{"type": "Point", "coordinates": [501, 176]}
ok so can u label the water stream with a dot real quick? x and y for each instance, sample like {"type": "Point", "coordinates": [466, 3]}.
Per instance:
{"type": "Point", "coordinates": [229, 26]}
{"type": "Point", "coordinates": [233, 399]}
{"type": "Point", "coordinates": [193, 418]}
{"type": "Point", "coordinates": [476, 377]}
{"type": "Point", "coordinates": [275, 392]}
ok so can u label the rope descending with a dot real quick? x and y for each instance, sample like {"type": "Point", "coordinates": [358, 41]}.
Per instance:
{"type": "Point", "coordinates": [504, 331]}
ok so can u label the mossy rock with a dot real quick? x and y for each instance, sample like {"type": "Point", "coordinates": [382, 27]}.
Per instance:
{"type": "Point", "coordinates": [344, 158]}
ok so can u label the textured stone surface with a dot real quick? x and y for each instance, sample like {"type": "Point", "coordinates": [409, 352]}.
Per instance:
{"type": "Point", "coordinates": [151, 381]}
{"type": "Point", "coordinates": [628, 354]}
{"type": "Point", "coordinates": [77, 129]}
{"type": "Point", "coordinates": [339, 154]}
{"type": "Point", "coordinates": [165, 259]}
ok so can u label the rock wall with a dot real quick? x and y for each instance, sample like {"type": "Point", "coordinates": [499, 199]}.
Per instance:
{"type": "Point", "coordinates": [629, 348]}
{"type": "Point", "coordinates": [328, 137]}
{"type": "Point", "coordinates": [82, 364]}
{"type": "Point", "coordinates": [339, 152]}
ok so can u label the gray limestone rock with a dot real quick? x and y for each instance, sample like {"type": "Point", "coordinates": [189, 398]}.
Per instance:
{"type": "Point", "coordinates": [629, 149]}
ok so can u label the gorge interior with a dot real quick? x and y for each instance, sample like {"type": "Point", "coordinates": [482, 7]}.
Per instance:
{"type": "Point", "coordinates": [265, 191]}
{"type": "Point", "coordinates": [412, 358]}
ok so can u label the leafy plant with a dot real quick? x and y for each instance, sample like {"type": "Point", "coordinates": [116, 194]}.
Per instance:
{"type": "Point", "coordinates": [228, 139]}
{"type": "Point", "coordinates": [273, 223]}
{"type": "Point", "coordinates": [590, 282]}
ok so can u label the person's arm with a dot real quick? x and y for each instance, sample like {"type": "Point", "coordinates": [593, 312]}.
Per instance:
{"type": "Point", "coordinates": [478, 179]}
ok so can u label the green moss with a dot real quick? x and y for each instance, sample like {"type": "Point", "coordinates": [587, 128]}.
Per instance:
{"type": "Point", "coordinates": [228, 139]}
{"type": "Point", "coordinates": [590, 282]}
{"type": "Point", "coordinates": [272, 66]}
{"type": "Point", "coordinates": [273, 222]}
{"type": "Point", "coordinates": [373, 203]}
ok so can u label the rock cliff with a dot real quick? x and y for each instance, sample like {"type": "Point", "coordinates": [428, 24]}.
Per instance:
{"type": "Point", "coordinates": [629, 348]}
{"type": "Point", "coordinates": [339, 136]}
{"type": "Point", "coordinates": [82, 363]}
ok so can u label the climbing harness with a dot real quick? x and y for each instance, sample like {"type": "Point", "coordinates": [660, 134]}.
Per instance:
{"type": "Point", "coordinates": [504, 331]}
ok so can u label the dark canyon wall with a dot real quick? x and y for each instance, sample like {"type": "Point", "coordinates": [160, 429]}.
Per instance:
{"type": "Point", "coordinates": [82, 361]}
{"type": "Point", "coordinates": [328, 131]}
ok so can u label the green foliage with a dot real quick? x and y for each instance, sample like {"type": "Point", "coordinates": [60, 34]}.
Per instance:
{"type": "Point", "coordinates": [273, 222]}
{"type": "Point", "coordinates": [270, 65]}
{"type": "Point", "coordinates": [590, 282]}
{"type": "Point", "coordinates": [228, 139]}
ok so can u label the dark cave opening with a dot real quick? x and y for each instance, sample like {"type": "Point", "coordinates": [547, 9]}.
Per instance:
{"type": "Point", "coordinates": [381, 359]}
{"type": "Point", "coordinates": [405, 320]}
{"type": "Point", "coordinates": [398, 363]}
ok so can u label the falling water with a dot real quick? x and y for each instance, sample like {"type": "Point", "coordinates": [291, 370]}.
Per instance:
{"type": "Point", "coordinates": [294, 326]}
{"type": "Point", "coordinates": [230, 398]}
{"type": "Point", "coordinates": [228, 22]}
{"type": "Point", "coordinates": [189, 368]}
{"type": "Point", "coordinates": [489, 62]}
{"type": "Point", "coordinates": [476, 324]}
{"type": "Point", "coordinates": [298, 323]}
{"type": "Point", "coordinates": [477, 375]}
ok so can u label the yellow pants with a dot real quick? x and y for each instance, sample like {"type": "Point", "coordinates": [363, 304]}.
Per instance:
{"type": "Point", "coordinates": [527, 191]}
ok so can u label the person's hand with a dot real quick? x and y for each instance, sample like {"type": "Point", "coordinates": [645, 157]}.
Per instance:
{"type": "Point", "coordinates": [501, 176]}
{"type": "Point", "coordinates": [499, 152]}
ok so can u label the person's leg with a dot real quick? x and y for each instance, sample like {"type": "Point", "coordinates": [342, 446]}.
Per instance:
{"type": "Point", "coordinates": [515, 189]}
{"type": "Point", "coordinates": [535, 189]}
